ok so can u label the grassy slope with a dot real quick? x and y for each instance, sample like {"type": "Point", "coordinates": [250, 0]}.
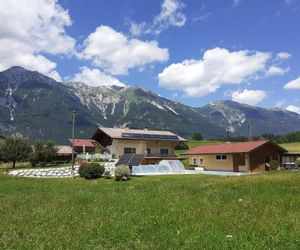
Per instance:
{"type": "Point", "coordinates": [294, 147]}
{"type": "Point", "coordinates": [189, 212]}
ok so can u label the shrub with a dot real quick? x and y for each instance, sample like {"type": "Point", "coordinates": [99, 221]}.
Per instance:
{"type": "Point", "coordinates": [91, 170]}
{"type": "Point", "coordinates": [297, 163]}
{"type": "Point", "coordinates": [275, 165]}
{"type": "Point", "coordinates": [122, 173]}
{"type": "Point", "coordinates": [182, 146]}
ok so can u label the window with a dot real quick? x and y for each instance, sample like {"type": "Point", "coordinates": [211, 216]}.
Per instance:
{"type": "Point", "coordinates": [129, 151]}
{"type": "Point", "coordinates": [195, 161]}
{"type": "Point", "coordinates": [164, 151]}
{"type": "Point", "coordinates": [221, 157]}
{"type": "Point", "coordinates": [201, 161]}
{"type": "Point", "coordinates": [148, 150]}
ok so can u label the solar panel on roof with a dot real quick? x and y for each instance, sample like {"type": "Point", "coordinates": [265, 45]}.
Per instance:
{"type": "Point", "coordinates": [149, 136]}
{"type": "Point", "coordinates": [131, 160]}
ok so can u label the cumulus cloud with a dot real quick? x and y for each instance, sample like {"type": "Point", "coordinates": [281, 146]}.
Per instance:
{"type": "Point", "coordinates": [293, 108]}
{"type": "Point", "coordinates": [217, 67]}
{"type": "Point", "coordinates": [275, 70]}
{"type": "Point", "coordinates": [280, 103]}
{"type": "Point", "coordinates": [294, 84]}
{"type": "Point", "coordinates": [29, 29]}
{"type": "Point", "coordinates": [170, 15]}
{"type": "Point", "coordinates": [250, 97]}
{"type": "Point", "coordinates": [116, 54]}
{"type": "Point", "coordinates": [94, 77]}
{"type": "Point", "coordinates": [283, 56]}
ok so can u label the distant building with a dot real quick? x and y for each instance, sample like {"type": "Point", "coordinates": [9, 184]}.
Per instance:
{"type": "Point", "coordinates": [82, 146]}
{"type": "Point", "coordinates": [64, 152]}
{"type": "Point", "coordinates": [154, 144]}
{"type": "Point", "coordinates": [241, 156]}
{"type": "Point", "coordinates": [289, 159]}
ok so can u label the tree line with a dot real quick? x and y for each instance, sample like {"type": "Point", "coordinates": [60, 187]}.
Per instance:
{"type": "Point", "coordinates": [287, 138]}
{"type": "Point", "coordinates": [19, 150]}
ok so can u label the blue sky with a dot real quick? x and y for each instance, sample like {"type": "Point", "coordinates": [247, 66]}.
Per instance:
{"type": "Point", "coordinates": [191, 51]}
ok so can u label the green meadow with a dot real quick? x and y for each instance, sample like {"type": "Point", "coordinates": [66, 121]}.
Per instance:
{"type": "Point", "coordinates": [160, 212]}
{"type": "Point", "coordinates": [293, 146]}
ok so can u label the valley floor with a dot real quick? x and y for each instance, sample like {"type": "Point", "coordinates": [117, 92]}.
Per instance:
{"type": "Point", "coordinates": [159, 212]}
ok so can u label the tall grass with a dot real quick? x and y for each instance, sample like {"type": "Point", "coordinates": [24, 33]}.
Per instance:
{"type": "Point", "coordinates": [162, 212]}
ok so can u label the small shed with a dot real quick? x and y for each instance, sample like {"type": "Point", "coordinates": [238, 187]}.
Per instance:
{"type": "Point", "coordinates": [237, 157]}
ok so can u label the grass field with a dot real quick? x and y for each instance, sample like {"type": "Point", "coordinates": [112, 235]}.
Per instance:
{"type": "Point", "coordinates": [194, 143]}
{"type": "Point", "coordinates": [293, 147]}
{"type": "Point", "coordinates": [162, 212]}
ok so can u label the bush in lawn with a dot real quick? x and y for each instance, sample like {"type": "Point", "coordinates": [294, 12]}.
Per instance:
{"type": "Point", "coordinates": [91, 170]}
{"type": "Point", "coordinates": [275, 165]}
{"type": "Point", "coordinates": [122, 173]}
{"type": "Point", "coordinates": [297, 163]}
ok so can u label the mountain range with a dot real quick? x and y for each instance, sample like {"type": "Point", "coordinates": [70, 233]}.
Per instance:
{"type": "Point", "coordinates": [35, 106]}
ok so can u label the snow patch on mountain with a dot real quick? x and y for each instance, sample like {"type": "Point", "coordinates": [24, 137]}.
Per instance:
{"type": "Point", "coordinates": [172, 110]}
{"type": "Point", "coordinates": [157, 105]}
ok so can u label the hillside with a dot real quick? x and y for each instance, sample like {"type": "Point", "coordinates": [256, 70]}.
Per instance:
{"type": "Point", "coordinates": [35, 106]}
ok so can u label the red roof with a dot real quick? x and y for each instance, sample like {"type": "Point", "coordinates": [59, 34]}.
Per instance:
{"type": "Point", "coordinates": [228, 148]}
{"type": "Point", "coordinates": [84, 142]}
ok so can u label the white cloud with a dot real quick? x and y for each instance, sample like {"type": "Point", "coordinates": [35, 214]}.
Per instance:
{"type": "Point", "coordinates": [28, 29]}
{"type": "Point", "coordinates": [170, 15]}
{"type": "Point", "coordinates": [293, 108]}
{"type": "Point", "coordinates": [294, 84]}
{"type": "Point", "coordinates": [251, 97]}
{"type": "Point", "coordinates": [94, 77]}
{"type": "Point", "coordinates": [116, 54]}
{"type": "Point", "coordinates": [280, 103]}
{"type": "Point", "coordinates": [283, 56]}
{"type": "Point", "coordinates": [136, 29]}
{"type": "Point", "coordinates": [217, 67]}
{"type": "Point", "coordinates": [275, 70]}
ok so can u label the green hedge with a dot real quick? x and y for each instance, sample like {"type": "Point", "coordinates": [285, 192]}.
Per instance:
{"type": "Point", "coordinates": [91, 170]}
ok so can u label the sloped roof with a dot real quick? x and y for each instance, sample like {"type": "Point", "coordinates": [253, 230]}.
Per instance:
{"type": "Point", "coordinates": [84, 142]}
{"type": "Point", "coordinates": [118, 133]}
{"type": "Point", "coordinates": [229, 148]}
{"type": "Point", "coordinates": [64, 149]}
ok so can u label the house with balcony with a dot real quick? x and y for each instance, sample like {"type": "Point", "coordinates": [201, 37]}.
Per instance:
{"type": "Point", "coordinates": [154, 144]}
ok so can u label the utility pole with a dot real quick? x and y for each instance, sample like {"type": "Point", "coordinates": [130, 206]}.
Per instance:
{"type": "Point", "coordinates": [73, 141]}
{"type": "Point", "coordinates": [249, 131]}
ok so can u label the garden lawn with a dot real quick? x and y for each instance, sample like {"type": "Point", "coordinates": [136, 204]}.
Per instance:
{"type": "Point", "coordinates": [160, 212]}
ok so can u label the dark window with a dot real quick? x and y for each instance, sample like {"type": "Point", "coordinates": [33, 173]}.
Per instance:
{"type": "Point", "coordinates": [195, 161]}
{"type": "Point", "coordinates": [164, 151]}
{"type": "Point", "coordinates": [148, 151]}
{"type": "Point", "coordinates": [221, 157]}
{"type": "Point", "coordinates": [129, 151]}
{"type": "Point", "coordinates": [201, 161]}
